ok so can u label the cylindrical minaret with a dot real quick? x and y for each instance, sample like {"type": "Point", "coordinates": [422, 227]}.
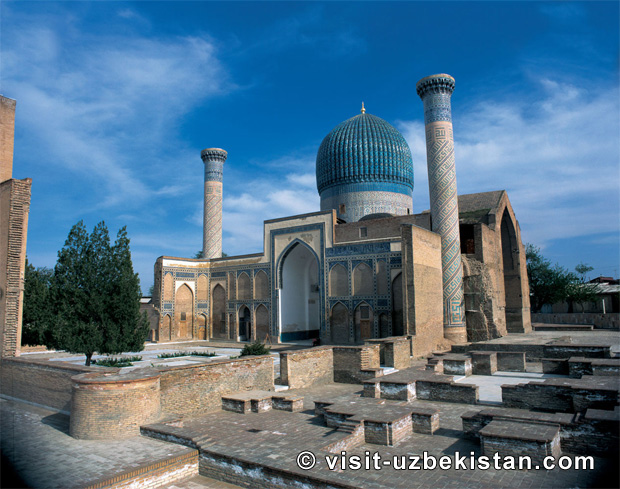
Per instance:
{"type": "Point", "coordinates": [214, 159]}
{"type": "Point", "coordinates": [435, 92]}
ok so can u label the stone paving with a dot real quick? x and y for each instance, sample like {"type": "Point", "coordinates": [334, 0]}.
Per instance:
{"type": "Point", "coordinates": [275, 438]}
{"type": "Point", "coordinates": [37, 443]}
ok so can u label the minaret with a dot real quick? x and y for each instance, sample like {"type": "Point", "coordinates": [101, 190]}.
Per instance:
{"type": "Point", "coordinates": [214, 159]}
{"type": "Point", "coordinates": [435, 92]}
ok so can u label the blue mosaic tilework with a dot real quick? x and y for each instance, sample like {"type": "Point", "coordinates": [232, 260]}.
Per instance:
{"type": "Point", "coordinates": [435, 92]}
{"type": "Point", "coordinates": [168, 306]}
{"type": "Point", "coordinates": [186, 275]}
{"type": "Point", "coordinates": [361, 249]}
{"type": "Point", "coordinates": [393, 187]}
{"type": "Point", "coordinates": [203, 305]}
{"type": "Point", "coordinates": [364, 148]}
{"type": "Point", "coordinates": [218, 274]}
{"type": "Point", "coordinates": [213, 159]}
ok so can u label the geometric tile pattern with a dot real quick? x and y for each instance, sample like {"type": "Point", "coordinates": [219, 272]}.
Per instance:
{"type": "Point", "coordinates": [364, 167]}
{"type": "Point", "coordinates": [435, 92]}
{"type": "Point", "coordinates": [213, 159]}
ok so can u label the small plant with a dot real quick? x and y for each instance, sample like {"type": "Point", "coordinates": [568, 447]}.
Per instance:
{"type": "Point", "coordinates": [187, 353]}
{"type": "Point", "coordinates": [117, 362]}
{"type": "Point", "coordinates": [254, 348]}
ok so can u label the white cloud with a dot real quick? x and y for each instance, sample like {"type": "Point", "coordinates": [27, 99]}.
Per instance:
{"type": "Point", "coordinates": [557, 157]}
{"type": "Point", "coordinates": [92, 105]}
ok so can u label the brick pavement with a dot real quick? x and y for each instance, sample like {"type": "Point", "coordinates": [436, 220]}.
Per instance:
{"type": "Point", "coordinates": [274, 439]}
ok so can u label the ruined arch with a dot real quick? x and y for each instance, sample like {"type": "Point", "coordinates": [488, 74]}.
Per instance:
{"type": "Point", "coordinates": [339, 324]}
{"type": "Point", "coordinates": [338, 281]}
{"type": "Point", "coordinates": [512, 274]}
{"type": "Point", "coordinates": [362, 280]}
{"type": "Point", "coordinates": [218, 312]}
{"type": "Point", "coordinates": [244, 287]}
{"type": "Point", "coordinates": [184, 312]}
{"type": "Point", "coordinates": [261, 285]}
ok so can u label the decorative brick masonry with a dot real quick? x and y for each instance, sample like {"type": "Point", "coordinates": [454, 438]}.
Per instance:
{"type": "Point", "coordinates": [114, 405]}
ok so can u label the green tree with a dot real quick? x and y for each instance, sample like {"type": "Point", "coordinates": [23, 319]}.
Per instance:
{"type": "Point", "coordinates": [581, 292]}
{"type": "Point", "coordinates": [548, 283]}
{"type": "Point", "coordinates": [96, 295]}
{"type": "Point", "coordinates": [37, 314]}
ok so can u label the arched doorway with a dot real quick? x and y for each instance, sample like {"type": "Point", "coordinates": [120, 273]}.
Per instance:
{"type": "Point", "coordinates": [202, 327]}
{"type": "Point", "coordinates": [397, 305]}
{"type": "Point", "coordinates": [245, 324]}
{"type": "Point", "coordinates": [166, 334]}
{"type": "Point", "coordinates": [184, 312]}
{"type": "Point", "coordinates": [512, 278]}
{"type": "Point", "coordinates": [364, 320]}
{"type": "Point", "coordinates": [339, 324]}
{"type": "Point", "coordinates": [299, 294]}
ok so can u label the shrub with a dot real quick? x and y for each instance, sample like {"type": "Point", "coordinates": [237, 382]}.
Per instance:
{"type": "Point", "coordinates": [187, 353]}
{"type": "Point", "coordinates": [255, 348]}
{"type": "Point", "coordinates": [117, 362]}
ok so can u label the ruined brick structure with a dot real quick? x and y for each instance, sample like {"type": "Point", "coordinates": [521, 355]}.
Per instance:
{"type": "Point", "coordinates": [14, 208]}
{"type": "Point", "coordinates": [363, 267]}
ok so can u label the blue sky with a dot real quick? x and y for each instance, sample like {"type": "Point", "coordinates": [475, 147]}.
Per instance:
{"type": "Point", "coordinates": [115, 100]}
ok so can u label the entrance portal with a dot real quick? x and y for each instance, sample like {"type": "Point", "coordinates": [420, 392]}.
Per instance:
{"type": "Point", "coordinates": [299, 294]}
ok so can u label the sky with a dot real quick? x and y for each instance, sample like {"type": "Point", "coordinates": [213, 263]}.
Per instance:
{"type": "Point", "coordinates": [115, 101]}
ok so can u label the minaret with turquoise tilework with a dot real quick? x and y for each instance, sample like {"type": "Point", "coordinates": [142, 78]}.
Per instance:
{"type": "Point", "coordinates": [435, 92]}
{"type": "Point", "coordinates": [214, 159]}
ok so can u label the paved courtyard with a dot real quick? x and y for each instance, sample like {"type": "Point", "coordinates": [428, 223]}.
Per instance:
{"type": "Point", "coordinates": [36, 441]}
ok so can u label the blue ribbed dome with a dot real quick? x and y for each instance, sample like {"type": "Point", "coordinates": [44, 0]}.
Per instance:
{"type": "Point", "coordinates": [364, 149]}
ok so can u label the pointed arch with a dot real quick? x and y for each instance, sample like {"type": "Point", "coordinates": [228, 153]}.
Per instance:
{"type": "Point", "coordinates": [382, 278]}
{"type": "Point", "coordinates": [362, 280]}
{"type": "Point", "coordinates": [218, 312]}
{"type": "Point", "coordinates": [300, 289]}
{"type": "Point", "coordinates": [202, 291]}
{"type": "Point", "coordinates": [244, 287]}
{"type": "Point", "coordinates": [168, 287]}
{"type": "Point", "coordinates": [245, 323]}
{"type": "Point", "coordinates": [261, 285]}
{"type": "Point", "coordinates": [261, 319]}
{"type": "Point", "coordinates": [184, 312]}
{"type": "Point", "coordinates": [202, 327]}
{"type": "Point", "coordinates": [397, 305]}
{"type": "Point", "coordinates": [512, 275]}
{"type": "Point", "coordinates": [364, 322]}
{"type": "Point", "coordinates": [166, 333]}
{"type": "Point", "coordinates": [338, 281]}
{"type": "Point", "coordinates": [339, 324]}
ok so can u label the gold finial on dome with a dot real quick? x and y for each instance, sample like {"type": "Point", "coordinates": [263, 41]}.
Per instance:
{"type": "Point", "coordinates": [363, 109]}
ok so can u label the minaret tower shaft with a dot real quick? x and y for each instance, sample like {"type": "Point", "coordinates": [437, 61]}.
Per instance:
{"type": "Point", "coordinates": [435, 92]}
{"type": "Point", "coordinates": [213, 159]}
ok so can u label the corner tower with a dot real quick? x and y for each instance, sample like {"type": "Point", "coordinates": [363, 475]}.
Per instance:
{"type": "Point", "coordinates": [435, 92]}
{"type": "Point", "coordinates": [213, 159]}
{"type": "Point", "coordinates": [364, 167]}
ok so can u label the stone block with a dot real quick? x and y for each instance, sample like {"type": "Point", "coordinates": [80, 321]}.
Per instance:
{"type": "Point", "coordinates": [511, 361]}
{"type": "Point", "coordinates": [556, 366]}
{"type": "Point", "coordinates": [484, 362]}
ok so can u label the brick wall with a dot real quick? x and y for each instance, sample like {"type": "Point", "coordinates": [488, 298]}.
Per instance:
{"type": "Point", "coordinates": [14, 208]}
{"type": "Point", "coordinates": [354, 364]}
{"type": "Point", "coordinates": [446, 392]}
{"type": "Point", "coordinates": [304, 368]}
{"type": "Point", "coordinates": [194, 390]}
{"type": "Point", "coordinates": [155, 474]}
{"type": "Point", "coordinates": [599, 320]}
{"type": "Point", "coordinates": [113, 406]}
{"type": "Point", "coordinates": [41, 381]}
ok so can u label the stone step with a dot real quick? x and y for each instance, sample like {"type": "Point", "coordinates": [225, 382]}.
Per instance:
{"type": "Point", "coordinates": [280, 388]}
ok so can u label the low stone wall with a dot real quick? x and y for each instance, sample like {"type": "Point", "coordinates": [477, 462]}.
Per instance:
{"type": "Point", "coordinates": [511, 361]}
{"type": "Point", "coordinates": [484, 362]}
{"type": "Point", "coordinates": [446, 391]}
{"type": "Point", "coordinates": [303, 368]}
{"type": "Point", "coordinates": [566, 350]}
{"type": "Point", "coordinates": [198, 389]}
{"type": "Point", "coordinates": [354, 364]}
{"type": "Point", "coordinates": [41, 381]}
{"type": "Point", "coordinates": [112, 405]}
{"type": "Point", "coordinates": [394, 351]}
{"type": "Point", "coordinates": [153, 474]}
{"type": "Point", "coordinates": [603, 321]}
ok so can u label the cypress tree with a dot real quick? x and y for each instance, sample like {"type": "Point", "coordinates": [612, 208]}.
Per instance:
{"type": "Point", "coordinates": [96, 295]}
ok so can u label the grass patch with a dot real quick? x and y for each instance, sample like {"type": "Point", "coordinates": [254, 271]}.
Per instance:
{"type": "Point", "coordinates": [187, 353]}
{"type": "Point", "coordinates": [117, 362]}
